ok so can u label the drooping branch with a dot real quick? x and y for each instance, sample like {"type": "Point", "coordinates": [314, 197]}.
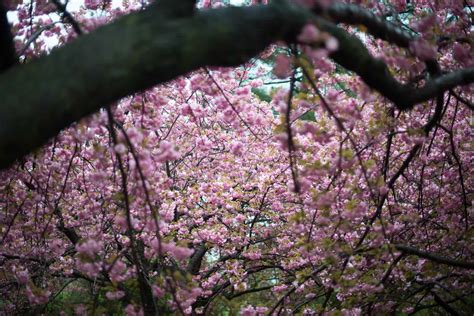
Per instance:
{"type": "Point", "coordinates": [353, 55]}
{"type": "Point", "coordinates": [434, 257]}
{"type": "Point", "coordinates": [146, 48]}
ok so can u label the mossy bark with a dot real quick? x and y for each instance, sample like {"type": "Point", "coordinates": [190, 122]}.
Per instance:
{"type": "Point", "coordinates": [146, 48]}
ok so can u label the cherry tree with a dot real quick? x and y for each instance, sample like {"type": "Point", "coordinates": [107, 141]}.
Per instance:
{"type": "Point", "coordinates": [290, 157]}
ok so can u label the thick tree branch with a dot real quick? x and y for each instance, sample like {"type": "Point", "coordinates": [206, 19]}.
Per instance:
{"type": "Point", "coordinates": [434, 257]}
{"type": "Point", "coordinates": [70, 233]}
{"type": "Point", "coordinates": [8, 56]}
{"type": "Point", "coordinates": [146, 48]}
{"type": "Point", "coordinates": [194, 264]}
{"type": "Point", "coordinates": [133, 53]}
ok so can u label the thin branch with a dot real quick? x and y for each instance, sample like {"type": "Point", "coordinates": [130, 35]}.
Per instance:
{"type": "Point", "coordinates": [231, 105]}
{"type": "Point", "coordinates": [68, 16]}
{"type": "Point", "coordinates": [289, 134]}
{"type": "Point", "coordinates": [444, 304]}
{"type": "Point", "coordinates": [376, 26]}
{"type": "Point", "coordinates": [146, 295]}
{"type": "Point", "coordinates": [35, 36]}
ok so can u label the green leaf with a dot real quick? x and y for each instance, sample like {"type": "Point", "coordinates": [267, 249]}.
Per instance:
{"type": "Point", "coordinates": [262, 94]}
{"type": "Point", "coordinates": [308, 116]}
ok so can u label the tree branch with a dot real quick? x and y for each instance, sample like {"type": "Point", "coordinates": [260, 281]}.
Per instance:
{"type": "Point", "coordinates": [147, 48]}
{"type": "Point", "coordinates": [194, 264]}
{"type": "Point", "coordinates": [353, 55]}
{"type": "Point", "coordinates": [434, 257]}
{"type": "Point", "coordinates": [443, 304]}
{"type": "Point", "coordinates": [376, 26]}
{"type": "Point", "coordinates": [8, 56]}
{"type": "Point", "coordinates": [132, 54]}
{"type": "Point", "coordinates": [67, 16]}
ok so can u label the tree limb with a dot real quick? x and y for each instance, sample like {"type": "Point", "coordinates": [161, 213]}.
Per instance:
{"type": "Point", "coordinates": [434, 257]}
{"type": "Point", "coordinates": [8, 56]}
{"type": "Point", "coordinates": [376, 26]}
{"type": "Point", "coordinates": [134, 53]}
{"type": "Point", "coordinates": [353, 55]}
{"type": "Point", "coordinates": [194, 264]}
{"type": "Point", "coordinates": [146, 48]}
